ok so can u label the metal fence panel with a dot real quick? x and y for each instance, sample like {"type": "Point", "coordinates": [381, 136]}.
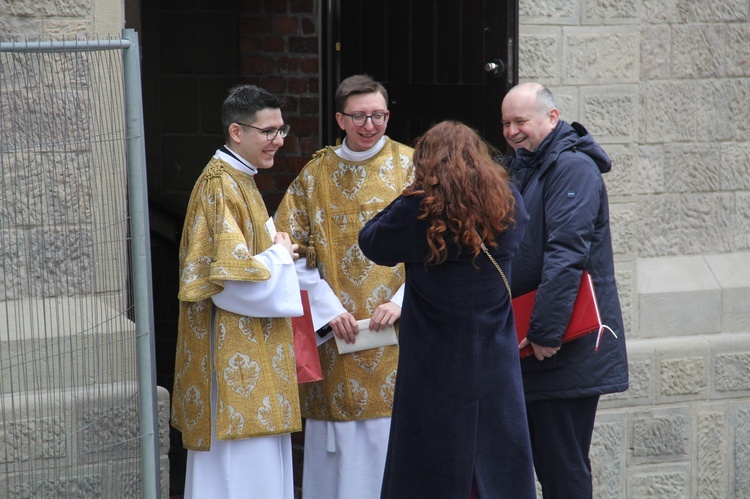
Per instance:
{"type": "Point", "coordinates": [77, 389]}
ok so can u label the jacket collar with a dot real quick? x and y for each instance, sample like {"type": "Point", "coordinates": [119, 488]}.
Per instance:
{"type": "Point", "coordinates": [564, 137]}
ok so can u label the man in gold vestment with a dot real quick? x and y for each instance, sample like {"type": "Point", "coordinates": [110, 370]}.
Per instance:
{"type": "Point", "coordinates": [339, 190]}
{"type": "Point", "coordinates": [235, 396]}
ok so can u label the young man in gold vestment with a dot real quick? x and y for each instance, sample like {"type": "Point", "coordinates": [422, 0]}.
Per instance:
{"type": "Point", "coordinates": [235, 396]}
{"type": "Point", "coordinates": [339, 190]}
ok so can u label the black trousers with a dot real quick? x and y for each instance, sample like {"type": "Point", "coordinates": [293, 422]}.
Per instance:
{"type": "Point", "coordinates": [561, 432]}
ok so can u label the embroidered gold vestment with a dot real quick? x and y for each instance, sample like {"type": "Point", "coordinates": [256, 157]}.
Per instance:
{"type": "Point", "coordinates": [323, 211]}
{"type": "Point", "coordinates": [253, 357]}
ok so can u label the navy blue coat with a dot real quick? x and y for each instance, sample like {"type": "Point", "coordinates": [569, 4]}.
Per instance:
{"type": "Point", "coordinates": [564, 192]}
{"type": "Point", "coordinates": [458, 406]}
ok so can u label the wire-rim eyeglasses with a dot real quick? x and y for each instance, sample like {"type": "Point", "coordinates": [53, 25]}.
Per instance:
{"type": "Point", "coordinates": [271, 133]}
{"type": "Point", "coordinates": [359, 119]}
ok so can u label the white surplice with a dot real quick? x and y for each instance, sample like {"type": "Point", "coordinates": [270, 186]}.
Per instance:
{"type": "Point", "coordinates": [345, 459]}
{"type": "Point", "coordinates": [252, 468]}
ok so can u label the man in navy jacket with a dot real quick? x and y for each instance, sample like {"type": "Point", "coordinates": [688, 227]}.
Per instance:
{"type": "Point", "coordinates": [558, 169]}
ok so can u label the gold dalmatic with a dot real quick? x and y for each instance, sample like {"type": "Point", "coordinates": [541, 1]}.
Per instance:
{"type": "Point", "coordinates": [253, 357]}
{"type": "Point", "coordinates": [323, 211]}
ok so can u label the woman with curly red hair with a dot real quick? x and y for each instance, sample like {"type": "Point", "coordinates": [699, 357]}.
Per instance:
{"type": "Point", "coordinates": [459, 420]}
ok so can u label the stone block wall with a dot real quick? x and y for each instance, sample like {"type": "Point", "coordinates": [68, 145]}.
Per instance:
{"type": "Point", "coordinates": [663, 86]}
{"type": "Point", "coordinates": [68, 392]}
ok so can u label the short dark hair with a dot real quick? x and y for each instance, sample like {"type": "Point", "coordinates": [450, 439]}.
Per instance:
{"type": "Point", "coordinates": [355, 85]}
{"type": "Point", "coordinates": [242, 102]}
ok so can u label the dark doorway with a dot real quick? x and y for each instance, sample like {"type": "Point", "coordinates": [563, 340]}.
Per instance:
{"type": "Point", "coordinates": [430, 55]}
{"type": "Point", "coordinates": [434, 57]}
{"type": "Point", "coordinates": [190, 56]}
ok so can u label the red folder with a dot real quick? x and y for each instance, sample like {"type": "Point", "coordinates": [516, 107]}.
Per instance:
{"type": "Point", "coordinates": [585, 318]}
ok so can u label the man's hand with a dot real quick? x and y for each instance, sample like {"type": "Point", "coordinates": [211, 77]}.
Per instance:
{"type": "Point", "coordinates": [385, 315]}
{"type": "Point", "coordinates": [540, 352]}
{"type": "Point", "coordinates": [283, 239]}
{"type": "Point", "coordinates": [345, 327]}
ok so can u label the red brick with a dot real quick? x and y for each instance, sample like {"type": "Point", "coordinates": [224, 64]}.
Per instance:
{"type": "Point", "coordinates": [276, 6]}
{"type": "Point", "coordinates": [309, 26]}
{"type": "Point", "coordinates": [314, 85]}
{"type": "Point", "coordinates": [275, 84]}
{"type": "Point", "coordinates": [296, 163]}
{"type": "Point", "coordinates": [292, 105]}
{"type": "Point", "coordinates": [286, 24]}
{"type": "Point", "coordinates": [252, 80]}
{"type": "Point", "coordinates": [284, 179]}
{"type": "Point", "coordinates": [256, 25]}
{"type": "Point", "coordinates": [273, 44]}
{"type": "Point", "coordinates": [304, 125]}
{"type": "Point", "coordinates": [257, 64]}
{"type": "Point", "coordinates": [310, 65]}
{"type": "Point", "coordinates": [308, 145]}
{"type": "Point", "coordinates": [291, 143]}
{"type": "Point", "coordinates": [297, 85]}
{"type": "Point", "coordinates": [308, 105]}
{"type": "Point", "coordinates": [250, 44]}
{"type": "Point", "coordinates": [264, 181]}
{"type": "Point", "coordinates": [302, 6]}
{"type": "Point", "coordinates": [272, 200]}
{"type": "Point", "coordinates": [288, 64]}
{"type": "Point", "coordinates": [303, 44]}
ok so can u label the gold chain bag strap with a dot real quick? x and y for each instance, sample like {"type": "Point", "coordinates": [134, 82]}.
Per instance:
{"type": "Point", "coordinates": [502, 274]}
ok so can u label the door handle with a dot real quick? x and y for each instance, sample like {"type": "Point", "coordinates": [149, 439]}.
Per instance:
{"type": "Point", "coordinates": [496, 67]}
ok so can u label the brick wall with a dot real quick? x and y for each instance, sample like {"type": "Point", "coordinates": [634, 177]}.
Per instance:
{"type": "Point", "coordinates": [279, 52]}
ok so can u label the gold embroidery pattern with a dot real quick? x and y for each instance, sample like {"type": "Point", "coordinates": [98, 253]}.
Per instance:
{"type": "Point", "coordinates": [206, 369]}
{"type": "Point", "coordinates": [342, 198]}
{"type": "Point", "coordinates": [386, 173]}
{"type": "Point", "coordinates": [349, 179]}
{"type": "Point", "coordinates": [265, 415]}
{"type": "Point", "coordinates": [236, 421]}
{"type": "Point", "coordinates": [278, 363]}
{"type": "Point", "coordinates": [242, 374]}
{"type": "Point", "coordinates": [224, 229]}
{"type": "Point", "coordinates": [245, 326]}
{"type": "Point", "coordinates": [365, 216]}
{"type": "Point", "coordinates": [340, 222]}
{"type": "Point", "coordinates": [388, 388]}
{"type": "Point", "coordinates": [355, 265]}
{"type": "Point", "coordinates": [195, 268]}
{"type": "Point", "coordinates": [241, 253]}
{"type": "Point", "coordinates": [316, 399]}
{"type": "Point", "coordinates": [192, 406]}
{"type": "Point", "coordinates": [358, 394]}
{"type": "Point", "coordinates": [369, 360]}
{"type": "Point", "coordinates": [329, 353]}
{"type": "Point", "coordinates": [193, 312]}
{"type": "Point", "coordinates": [380, 294]}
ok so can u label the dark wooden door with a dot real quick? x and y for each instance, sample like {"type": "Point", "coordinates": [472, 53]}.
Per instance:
{"type": "Point", "coordinates": [431, 55]}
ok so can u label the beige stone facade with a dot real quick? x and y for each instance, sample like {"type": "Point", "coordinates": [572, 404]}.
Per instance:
{"type": "Point", "coordinates": [663, 85]}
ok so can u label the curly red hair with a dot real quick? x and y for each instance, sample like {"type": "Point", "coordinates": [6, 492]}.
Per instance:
{"type": "Point", "coordinates": [466, 193]}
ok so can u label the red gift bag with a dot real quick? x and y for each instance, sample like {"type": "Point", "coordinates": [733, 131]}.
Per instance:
{"type": "Point", "coordinates": [305, 347]}
{"type": "Point", "coordinates": [583, 320]}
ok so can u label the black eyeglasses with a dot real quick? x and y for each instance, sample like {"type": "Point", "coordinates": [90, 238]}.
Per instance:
{"type": "Point", "coordinates": [359, 119]}
{"type": "Point", "coordinates": [271, 133]}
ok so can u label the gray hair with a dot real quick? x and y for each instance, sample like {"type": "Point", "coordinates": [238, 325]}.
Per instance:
{"type": "Point", "coordinates": [545, 101]}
